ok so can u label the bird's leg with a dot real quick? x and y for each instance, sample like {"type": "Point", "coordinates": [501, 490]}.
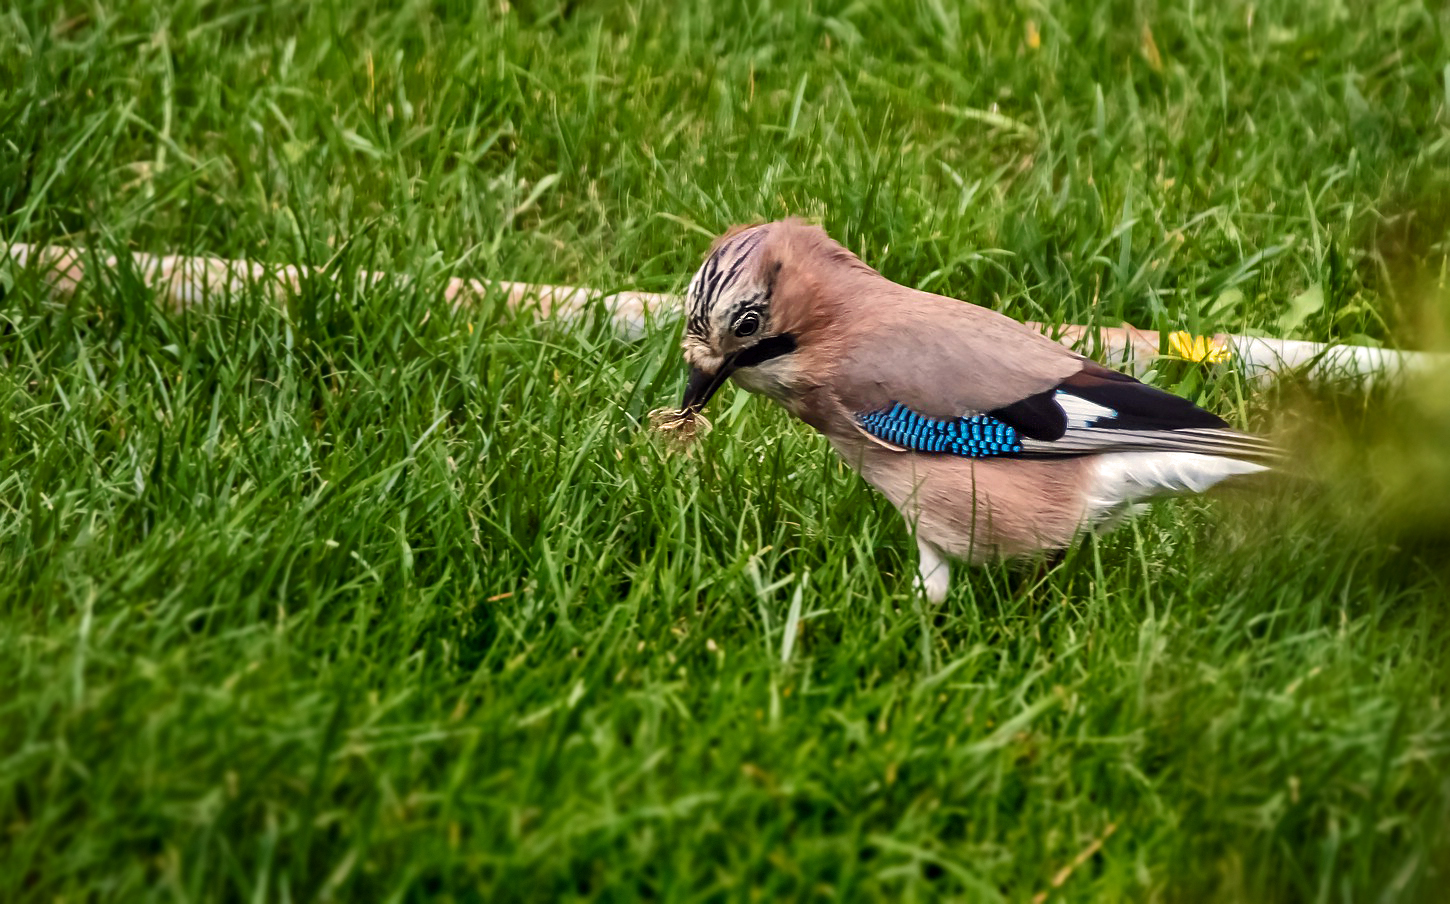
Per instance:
{"type": "Point", "coordinates": [1028, 579]}
{"type": "Point", "coordinates": [933, 573]}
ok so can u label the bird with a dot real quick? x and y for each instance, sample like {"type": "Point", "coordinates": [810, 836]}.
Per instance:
{"type": "Point", "coordinates": [992, 440]}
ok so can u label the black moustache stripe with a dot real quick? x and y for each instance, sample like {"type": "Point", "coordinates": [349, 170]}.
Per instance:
{"type": "Point", "coordinates": [764, 350]}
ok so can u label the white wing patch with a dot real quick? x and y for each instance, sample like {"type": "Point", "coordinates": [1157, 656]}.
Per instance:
{"type": "Point", "coordinates": [1082, 414]}
{"type": "Point", "coordinates": [1122, 479]}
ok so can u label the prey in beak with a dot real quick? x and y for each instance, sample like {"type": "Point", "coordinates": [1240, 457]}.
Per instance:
{"type": "Point", "coordinates": [683, 424]}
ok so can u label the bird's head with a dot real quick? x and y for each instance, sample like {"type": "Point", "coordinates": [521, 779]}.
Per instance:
{"type": "Point", "coordinates": [749, 311]}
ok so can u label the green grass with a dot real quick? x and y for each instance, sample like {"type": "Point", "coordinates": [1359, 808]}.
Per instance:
{"type": "Point", "coordinates": [371, 600]}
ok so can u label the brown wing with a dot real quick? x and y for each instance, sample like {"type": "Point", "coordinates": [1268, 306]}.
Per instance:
{"type": "Point", "coordinates": [944, 358]}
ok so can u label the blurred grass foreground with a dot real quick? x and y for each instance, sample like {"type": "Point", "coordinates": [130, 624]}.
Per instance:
{"type": "Point", "coordinates": [369, 599]}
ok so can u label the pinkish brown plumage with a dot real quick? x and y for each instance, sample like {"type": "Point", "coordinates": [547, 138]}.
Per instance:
{"type": "Point", "coordinates": [989, 438]}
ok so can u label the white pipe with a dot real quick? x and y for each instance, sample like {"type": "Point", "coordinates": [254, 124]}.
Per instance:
{"type": "Point", "coordinates": [183, 281]}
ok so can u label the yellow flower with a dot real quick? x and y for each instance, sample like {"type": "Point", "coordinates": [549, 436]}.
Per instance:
{"type": "Point", "coordinates": [1189, 347]}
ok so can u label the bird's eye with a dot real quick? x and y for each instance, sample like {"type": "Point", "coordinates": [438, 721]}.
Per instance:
{"type": "Point", "coordinates": [747, 325]}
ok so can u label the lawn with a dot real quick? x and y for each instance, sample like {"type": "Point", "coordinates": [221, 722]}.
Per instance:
{"type": "Point", "coordinates": [362, 598]}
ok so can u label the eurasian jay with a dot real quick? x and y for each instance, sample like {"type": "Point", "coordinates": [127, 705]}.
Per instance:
{"type": "Point", "coordinates": [990, 438]}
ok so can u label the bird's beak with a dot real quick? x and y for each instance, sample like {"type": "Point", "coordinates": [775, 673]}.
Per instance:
{"type": "Point", "coordinates": [703, 385]}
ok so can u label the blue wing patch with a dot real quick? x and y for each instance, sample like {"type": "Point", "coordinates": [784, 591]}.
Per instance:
{"type": "Point", "coordinates": [979, 436]}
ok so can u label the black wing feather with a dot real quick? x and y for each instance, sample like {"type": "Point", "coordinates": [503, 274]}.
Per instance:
{"type": "Point", "coordinates": [1036, 417]}
{"type": "Point", "coordinates": [1138, 405]}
